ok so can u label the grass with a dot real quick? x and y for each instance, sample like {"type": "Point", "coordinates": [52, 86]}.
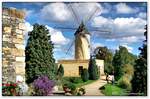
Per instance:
{"type": "Point", "coordinates": [113, 90]}
{"type": "Point", "coordinates": [84, 83]}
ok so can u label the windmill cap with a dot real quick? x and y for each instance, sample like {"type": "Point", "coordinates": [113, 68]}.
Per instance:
{"type": "Point", "coordinates": [82, 28]}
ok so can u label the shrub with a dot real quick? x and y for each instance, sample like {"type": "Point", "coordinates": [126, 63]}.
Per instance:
{"type": "Point", "coordinates": [124, 82]}
{"type": "Point", "coordinates": [71, 86]}
{"type": "Point", "coordinates": [76, 79]}
{"type": "Point", "coordinates": [73, 79]}
{"type": "Point", "coordinates": [43, 86]}
{"type": "Point", "coordinates": [85, 75]}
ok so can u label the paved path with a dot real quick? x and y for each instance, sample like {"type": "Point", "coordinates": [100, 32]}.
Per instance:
{"type": "Point", "coordinates": [93, 88]}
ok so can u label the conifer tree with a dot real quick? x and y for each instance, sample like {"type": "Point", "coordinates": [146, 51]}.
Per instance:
{"type": "Point", "coordinates": [39, 54]}
{"type": "Point", "coordinates": [85, 75]}
{"type": "Point", "coordinates": [139, 82]}
{"type": "Point", "coordinates": [93, 70]}
{"type": "Point", "coordinates": [60, 71]}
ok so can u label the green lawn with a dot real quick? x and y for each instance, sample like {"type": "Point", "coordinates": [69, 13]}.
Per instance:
{"type": "Point", "coordinates": [84, 83]}
{"type": "Point", "coordinates": [113, 90]}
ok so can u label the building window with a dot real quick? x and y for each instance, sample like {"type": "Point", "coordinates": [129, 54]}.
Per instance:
{"type": "Point", "coordinates": [80, 69]}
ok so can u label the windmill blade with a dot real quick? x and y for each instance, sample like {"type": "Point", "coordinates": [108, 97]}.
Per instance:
{"type": "Point", "coordinates": [65, 28]}
{"type": "Point", "coordinates": [92, 14]}
{"type": "Point", "coordinates": [100, 30]}
{"type": "Point", "coordinates": [114, 36]}
{"type": "Point", "coordinates": [73, 29]}
{"type": "Point", "coordinates": [74, 13]}
{"type": "Point", "coordinates": [70, 46]}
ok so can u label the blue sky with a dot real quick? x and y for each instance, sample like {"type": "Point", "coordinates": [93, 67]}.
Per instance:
{"type": "Point", "coordinates": [125, 20]}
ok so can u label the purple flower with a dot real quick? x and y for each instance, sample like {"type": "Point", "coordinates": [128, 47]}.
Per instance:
{"type": "Point", "coordinates": [43, 86]}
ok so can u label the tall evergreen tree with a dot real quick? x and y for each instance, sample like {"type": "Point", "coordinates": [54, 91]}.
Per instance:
{"type": "Point", "coordinates": [139, 82]}
{"type": "Point", "coordinates": [93, 70]}
{"type": "Point", "coordinates": [60, 71]}
{"type": "Point", "coordinates": [39, 54]}
{"type": "Point", "coordinates": [85, 75]}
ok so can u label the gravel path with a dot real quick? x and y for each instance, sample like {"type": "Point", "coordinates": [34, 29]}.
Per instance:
{"type": "Point", "coordinates": [93, 88]}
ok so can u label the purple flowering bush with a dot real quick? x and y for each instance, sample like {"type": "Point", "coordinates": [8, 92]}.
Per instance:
{"type": "Point", "coordinates": [43, 86]}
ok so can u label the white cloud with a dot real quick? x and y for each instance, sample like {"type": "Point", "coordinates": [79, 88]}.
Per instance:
{"type": "Point", "coordinates": [57, 36]}
{"type": "Point", "coordinates": [131, 39]}
{"type": "Point", "coordinates": [28, 12]}
{"type": "Point", "coordinates": [120, 27]}
{"type": "Point", "coordinates": [142, 15]}
{"type": "Point", "coordinates": [125, 9]}
{"type": "Point", "coordinates": [62, 11]}
{"type": "Point", "coordinates": [29, 27]}
{"type": "Point", "coordinates": [56, 12]}
{"type": "Point", "coordinates": [101, 22]}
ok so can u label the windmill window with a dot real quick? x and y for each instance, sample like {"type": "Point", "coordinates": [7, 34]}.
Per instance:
{"type": "Point", "coordinates": [80, 69]}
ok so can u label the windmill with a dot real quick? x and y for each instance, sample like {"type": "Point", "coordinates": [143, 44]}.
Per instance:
{"type": "Point", "coordinates": [82, 36]}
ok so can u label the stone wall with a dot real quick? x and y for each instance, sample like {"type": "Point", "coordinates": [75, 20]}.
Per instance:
{"type": "Point", "coordinates": [100, 64]}
{"type": "Point", "coordinates": [71, 67]}
{"type": "Point", "coordinates": [13, 48]}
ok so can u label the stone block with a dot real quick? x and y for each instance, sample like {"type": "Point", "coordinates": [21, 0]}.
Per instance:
{"type": "Point", "coordinates": [20, 59]}
{"type": "Point", "coordinates": [6, 17]}
{"type": "Point", "coordinates": [21, 64]}
{"type": "Point", "coordinates": [22, 26]}
{"type": "Point", "coordinates": [6, 39]}
{"type": "Point", "coordinates": [18, 31]}
{"type": "Point", "coordinates": [18, 52]}
{"type": "Point", "coordinates": [7, 29]}
{"type": "Point", "coordinates": [18, 41]}
{"type": "Point", "coordinates": [6, 49]}
{"type": "Point", "coordinates": [20, 36]}
{"type": "Point", "coordinates": [20, 70]}
{"type": "Point", "coordinates": [20, 46]}
{"type": "Point", "coordinates": [5, 63]}
{"type": "Point", "coordinates": [6, 22]}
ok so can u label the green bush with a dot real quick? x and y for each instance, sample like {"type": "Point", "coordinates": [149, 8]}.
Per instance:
{"type": "Point", "coordinates": [124, 82]}
{"type": "Point", "coordinates": [85, 75]}
{"type": "Point", "coordinates": [71, 86]}
{"type": "Point", "coordinates": [73, 79]}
